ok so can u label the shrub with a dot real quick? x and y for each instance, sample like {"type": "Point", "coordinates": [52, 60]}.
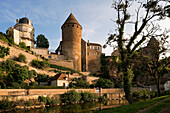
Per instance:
{"type": "Point", "coordinates": [153, 94]}
{"type": "Point", "coordinates": [142, 94]}
{"type": "Point", "coordinates": [86, 96]}
{"type": "Point", "coordinates": [146, 94]}
{"type": "Point", "coordinates": [40, 64]}
{"type": "Point", "coordinates": [56, 99]}
{"type": "Point", "coordinates": [5, 104]}
{"type": "Point", "coordinates": [24, 85]}
{"type": "Point", "coordinates": [70, 96]}
{"type": "Point", "coordinates": [29, 103]}
{"type": "Point", "coordinates": [104, 83]}
{"type": "Point", "coordinates": [2, 85]}
{"type": "Point", "coordinates": [79, 83]}
{"type": "Point", "coordinates": [4, 51]}
{"type": "Point", "coordinates": [165, 93]}
{"type": "Point", "coordinates": [42, 99]}
{"type": "Point", "coordinates": [23, 45]}
{"type": "Point", "coordinates": [102, 98]}
{"type": "Point", "coordinates": [21, 58]}
{"type": "Point", "coordinates": [137, 94]}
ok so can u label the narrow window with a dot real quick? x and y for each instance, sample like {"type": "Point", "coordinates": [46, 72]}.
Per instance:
{"type": "Point", "coordinates": [49, 57]}
{"type": "Point", "coordinates": [87, 53]}
{"type": "Point", "coordinates": [91, 47]}
{"type": "Point", "coordinates": [73, 25]}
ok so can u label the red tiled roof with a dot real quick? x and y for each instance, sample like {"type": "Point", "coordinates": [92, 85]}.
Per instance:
{"type": "Point", "coordinates": [60, 77]}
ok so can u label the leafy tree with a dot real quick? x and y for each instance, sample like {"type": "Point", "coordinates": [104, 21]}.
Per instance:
{"type": "Point", "coordinates": [127, 45]}
{"type": "Point", "coordinates": [9, 36]}
{"type": "Point", "coordinates": [14, 73]}
{"type": "Point", "coordinates": [79, 83]}
{"type": "Point", "coordinates": [42, 78]}
{"type": "Point", "coordinates": [104, 83]}
{"type": "Point", "coordinates": [42, 41]}
{"type": "Point", "coordinates": [105, 73]}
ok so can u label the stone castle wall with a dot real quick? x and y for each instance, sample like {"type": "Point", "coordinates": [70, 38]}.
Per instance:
{"type": "Point", "coordinates": [93, 56]}
{"type": "Point", "coordinates": [64, 63]}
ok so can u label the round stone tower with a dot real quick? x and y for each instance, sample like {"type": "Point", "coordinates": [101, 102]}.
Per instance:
{"type": "Point", "coordinates": [71, 41]}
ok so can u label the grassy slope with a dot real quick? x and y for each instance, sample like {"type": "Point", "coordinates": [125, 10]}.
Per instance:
{"type": "Point", "coordinates": [133, 108]}
{"type": "Point", "coordinates": [159, 107]}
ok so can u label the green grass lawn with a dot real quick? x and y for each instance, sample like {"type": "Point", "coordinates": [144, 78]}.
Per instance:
{"type": "Point", "coordinates": [133, 108]}
{"type": "Point", "coordinates": [159, 107]}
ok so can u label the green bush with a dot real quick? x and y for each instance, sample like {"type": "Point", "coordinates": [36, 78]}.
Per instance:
{"type": "Point", "coordinates": [21, 58]}
{"type": "Point", "coordinates": [40, 64]}
{"type": "Point", "coordinates": [165, 92]}
{"type": "Point", "coordinates": [5, 104]}
{"type": "Point", "coordinates": [23, 45]}
{"type": "Point", "coordinates": [4, 51]}
{"type": "Point", "coordinates": [24, 85]}
{"type": "Point", "coordinates": [104, 83]}
{"type": "Point", "coordinates": [102, 98]}
{"type": "Point", "coordinates": [146, 94]}
{"type": "Point", "coordinates": [29, 103]}
{"type": "Point", "coordinates": [56, 99]}
{"type": "Point", "coordinates": [137, 94]}
{"type": "Point", "coordinates": [70, 96]}
{"type": "Point", "coordinates": [153, 94]}
{"type": "Point", "coordinates": [142, 94]}
{"type": "Point", "coordinates": [42, 99]}
{"type": "Point", "coordinates": [79, 83]}
{"type": "Point", "coordinates": [2, 85]}
{"type": "Point", "coordinates": [87, 97]}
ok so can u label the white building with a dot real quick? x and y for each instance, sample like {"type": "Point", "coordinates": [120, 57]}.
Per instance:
{"type": "Point", "coordinates": [60, 80]}
{"type": "Point", "coordinates": [23, 31]}
{"type": "Point", "coordinates": [167, 85]}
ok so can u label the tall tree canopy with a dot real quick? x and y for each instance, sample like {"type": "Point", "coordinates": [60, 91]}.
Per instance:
{"type": "Point", "coordinates": [141, 21]}
{"type": "Point", "coordinates": [42, 41]}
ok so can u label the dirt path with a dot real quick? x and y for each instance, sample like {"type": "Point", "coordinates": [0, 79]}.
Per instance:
{"type": "Point", "coordinates": [162, 111]}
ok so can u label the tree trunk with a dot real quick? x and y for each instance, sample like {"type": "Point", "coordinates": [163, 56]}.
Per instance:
{"type": "Point", "coordinates": [127, 87]}
{"type": "Point", "coordinates": [158, 87]}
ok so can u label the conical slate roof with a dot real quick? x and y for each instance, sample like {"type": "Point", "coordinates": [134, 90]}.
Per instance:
{"type": "Point", "coordinates": [71, 20]}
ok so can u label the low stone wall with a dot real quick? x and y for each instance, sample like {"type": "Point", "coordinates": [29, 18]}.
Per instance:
{"type": "Point", "coordinates": [64, 63]}
{"type": "Point", "coordinates": [26, 94]}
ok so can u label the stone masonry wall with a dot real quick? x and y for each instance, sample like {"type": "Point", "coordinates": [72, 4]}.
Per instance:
{"type": "Point", "coordinates": [64, 63]}
{"type": "Point", "coordinates": [15, 51]}
{"type": "Point", "coordinates": [27, 94]}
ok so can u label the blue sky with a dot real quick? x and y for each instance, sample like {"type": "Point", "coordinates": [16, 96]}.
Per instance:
{"type": "Point", "coordinates": [49, 15]}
